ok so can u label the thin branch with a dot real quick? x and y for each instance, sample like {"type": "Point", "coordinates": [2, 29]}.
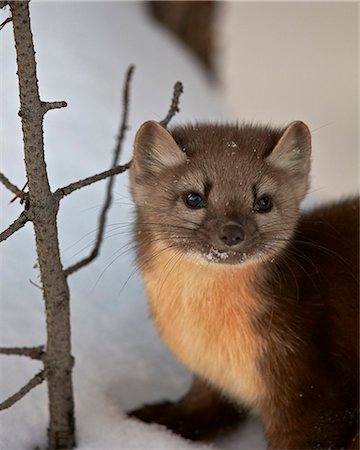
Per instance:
{"type": "Point", "coordinates": [30, 352]}
{"type": "Point", "coordinates": [37, 379]}
{"type": "Point", "coordinates": [12, 187]}
{"type": "Point", "coordinates": [174, 106]}
{"type": "Point", "coordinates": [66, 190]}
{"type": "Point", "coordinates": [15, 226]}
{"type": "Point", "coordinates": [124, 120]}
{"type": "Point", "coordinates": [108, 196]}
{"type": "Point", "coordinates": [7, 20]}
{"type": "Point", "coordinates": [36, 285]}
{"type": "Point", "coordinates": [52, 105]}
{"type": "Point", "coordinates": [23, 196]}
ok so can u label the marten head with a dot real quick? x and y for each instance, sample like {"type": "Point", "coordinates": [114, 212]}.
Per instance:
{"type": "Point", "coordinates": [221, 193]}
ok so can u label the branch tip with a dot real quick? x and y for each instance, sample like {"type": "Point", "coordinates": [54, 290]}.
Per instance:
{"type": "Point", "coordinates": [7, 20]}
{"type": "Point", "coordinates": [47, 106]}
{"type": "Point", "coordinates": [174, 105]}
{"type": "Point", "coordinates": [11, 186]}
{"type": "Point", "coordinates": [123, 124]}
{"type": "Point", "coordinates": [21, 194]}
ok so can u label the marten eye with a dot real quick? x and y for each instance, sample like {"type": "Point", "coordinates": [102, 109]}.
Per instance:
{"type": "Point", "coordinates": [194, 200]}
{"type": "Point", "coordinates": [263, 204]}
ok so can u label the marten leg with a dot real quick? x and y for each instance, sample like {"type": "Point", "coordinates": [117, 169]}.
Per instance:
{"type": "Point", "coordinates": [201, 413]}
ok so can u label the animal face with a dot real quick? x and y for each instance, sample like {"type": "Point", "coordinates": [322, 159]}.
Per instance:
{"type": "Point", "coordinates": [223, 194]}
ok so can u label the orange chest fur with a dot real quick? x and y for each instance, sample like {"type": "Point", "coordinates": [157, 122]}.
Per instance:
{"type": "Point", "coordinates": [204, 314]}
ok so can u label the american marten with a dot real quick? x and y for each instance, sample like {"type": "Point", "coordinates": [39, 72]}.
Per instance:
{"type": "Point", "coordinates": [257, 298]}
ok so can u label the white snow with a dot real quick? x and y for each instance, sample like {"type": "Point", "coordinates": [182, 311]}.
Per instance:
{"type": "Point", "coordinates": [215, 254]}
{"type": "Point", "coordinates": [83, 50]}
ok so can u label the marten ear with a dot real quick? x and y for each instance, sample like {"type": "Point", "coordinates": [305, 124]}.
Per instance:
{"type": "Point", "coordinates": [292, 152]}
{"type": "Point", "coordinates": [155, 149]}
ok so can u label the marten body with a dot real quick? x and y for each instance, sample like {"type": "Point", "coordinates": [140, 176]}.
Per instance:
{"type": "Point", "coordinates": [273, 326]}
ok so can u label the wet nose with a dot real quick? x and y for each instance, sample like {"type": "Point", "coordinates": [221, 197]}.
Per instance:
{"type": "Point", "coordinates": [232, 234]}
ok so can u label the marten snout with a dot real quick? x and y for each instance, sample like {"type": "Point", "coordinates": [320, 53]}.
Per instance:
{"type": "Point", "coordinates": [232, 234]}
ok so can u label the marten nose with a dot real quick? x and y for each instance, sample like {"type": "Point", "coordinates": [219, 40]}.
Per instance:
{"type": "Point", "coordinates": [232, 234]}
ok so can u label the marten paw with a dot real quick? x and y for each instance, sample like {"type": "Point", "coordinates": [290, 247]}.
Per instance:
{"type": "Point", "coordinates": [190, 424]}
{"type": "Point", "coordinates": [171, 416]}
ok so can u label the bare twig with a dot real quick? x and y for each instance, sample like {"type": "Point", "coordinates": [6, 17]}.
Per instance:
{"type": "Point", "coordinates": [44, 107]}
{"type": "Point", "coordinates": [35, 285]}
{"type": "Point", "coordinates": [16, 225]}
{"type": "Point", "coordinates": [30, 352]}
{"type": "Point", "coordinates": [66, 190]}
{"type": "Point", "coordinates": [124, 119]}
{"type": "Point", "coordinates": [37, 379]}
{"type": "Point", "coordinates": [12, 187]}
{"type": "Point", "coordinates": [52, 105]}
{"type": "Point", "coordinates": [108, 196]}
{"type": "Point", "coordinates": [7, 20]}
{"type": "Point", "coordinates": [21, 194]}
{"type": "Point", "coordinates": [174, 106]}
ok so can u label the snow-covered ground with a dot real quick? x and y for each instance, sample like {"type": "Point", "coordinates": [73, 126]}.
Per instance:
{"type": "Point", "coordinates": [83, 50]}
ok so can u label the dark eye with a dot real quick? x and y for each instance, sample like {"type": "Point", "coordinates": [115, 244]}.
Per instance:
{"type": "Point", "coordinates": [263, 204]}
{"type": "Point", "coordinates": [194, 200]}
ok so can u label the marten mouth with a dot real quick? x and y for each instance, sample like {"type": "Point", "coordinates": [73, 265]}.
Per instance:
{"type": "Point", "coordinates": [221, 257]}
{"type": "Point", "coordinates": [211, 253]}
{"type": "Point", "coordinates": [227, 257]}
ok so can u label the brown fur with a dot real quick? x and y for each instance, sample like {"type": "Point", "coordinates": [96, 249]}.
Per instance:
{"type": "Point", "coordinates": [316, 401]}
{"type": "Point", "coordinates": [274, 324]}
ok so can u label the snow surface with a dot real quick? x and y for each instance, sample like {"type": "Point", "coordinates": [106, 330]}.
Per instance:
{"type": "Point", "coordinates": [83, 50]}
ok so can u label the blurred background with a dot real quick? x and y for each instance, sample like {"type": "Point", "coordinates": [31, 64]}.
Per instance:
{"type": "Point", "coordinates": [279, 62]}
{"type": "Point", "coordinates": [268, 62]}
